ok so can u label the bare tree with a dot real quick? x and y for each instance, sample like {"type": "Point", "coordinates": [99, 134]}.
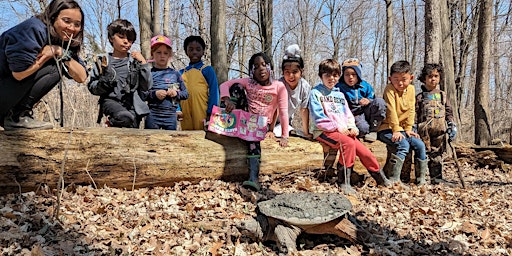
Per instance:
{"type": "Point", "coordinates": [389, 34]}
{"type": "Point", "coordinates": [157, 21]}
{"type": "Point", "coordinates": [266, 25]}
{"type": "Point", "coordinates": [145, 27]}
{"type": "Point", "coordinates": [447, 59]}
{"type": "Point", "coordinates": [166, 18]}
{"type": "Point", "coordinates": [218, 36]}
{"type": "Point", "coordinates": [432, 31]}
{"type": "Point", "coordinates": [482, 115]}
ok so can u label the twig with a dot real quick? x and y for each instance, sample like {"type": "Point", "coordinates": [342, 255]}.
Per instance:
{"type": "Point", "coordinates": [88, 174]}
{"type": "Point", "coordinates": [134, 173]}
{"type": "Point", "coordinates": [60, 184]}
{"type": "Point", "coordinates": [17, 183]}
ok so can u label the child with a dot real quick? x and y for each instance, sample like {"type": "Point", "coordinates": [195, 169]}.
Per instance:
{"type": "Point", "coordinates": [168, 87]}
{"type": "Point", "coordinates": [434, 116]}
{"type": "Point", "coordinates": [202, 86]}
{"type": "Point", "coordinates": [264, 95]}
{"type": "Point", "coordinates": [368, 111]}
{"type": "Point", "coordinates": [298, 91]}
{"type": "Point", "coordinates": [333, 124]}
{"type": "Point", "coordinates": [396, 129]}
{"type": "Point", "coordinates": [120, 77]}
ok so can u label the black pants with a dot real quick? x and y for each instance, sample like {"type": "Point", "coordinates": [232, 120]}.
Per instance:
{"type": "Point", "coordinates": [23, 95]}
{"type": "Point", "coordinates": [119, 114]}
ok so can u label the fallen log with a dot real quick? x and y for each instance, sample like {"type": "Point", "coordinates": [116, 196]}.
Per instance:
{"type": "Point", "coordinates": [123, 158]}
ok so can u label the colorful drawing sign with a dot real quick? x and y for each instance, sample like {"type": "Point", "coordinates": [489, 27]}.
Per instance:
{"type": "Point", "coordinates": [238, 123]}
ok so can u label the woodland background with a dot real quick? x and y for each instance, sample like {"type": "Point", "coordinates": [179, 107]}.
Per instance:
{"type": "Point", "coordinates": [472, 39]}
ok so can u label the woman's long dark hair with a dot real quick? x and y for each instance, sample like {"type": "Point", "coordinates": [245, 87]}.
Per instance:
{"type": "Point", "coordinates": [50, 14]}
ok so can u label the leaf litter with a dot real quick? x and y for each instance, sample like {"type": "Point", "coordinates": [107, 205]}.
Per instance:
{"type": "Point", "coordinates": [199, 219]}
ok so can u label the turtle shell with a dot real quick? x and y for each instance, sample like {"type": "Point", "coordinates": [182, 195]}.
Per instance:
{"type": "Point", "coordinates": [306, 208]}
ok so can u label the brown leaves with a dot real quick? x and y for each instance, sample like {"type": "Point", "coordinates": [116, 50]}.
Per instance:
{"type": "Point", "coordinates": [200, 219]}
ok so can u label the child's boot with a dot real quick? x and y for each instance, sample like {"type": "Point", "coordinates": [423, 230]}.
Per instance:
{"type": "Point", "coordinates": [380, 178]}
{"type": "Point", "coordinates": [344, 179]}
{"type": "Point", "coordinates": [420, 171]}
{"type": "Point", "coordinates": [254, 171]}
{"type": "Point", "coordinates": [396, 163]}
{"type": "Point", "coordinates": [436, 175]}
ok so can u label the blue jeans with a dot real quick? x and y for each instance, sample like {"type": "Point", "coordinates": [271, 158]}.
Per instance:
{"type": "Point", "coordinates": [402, 147]}
{"type": "Point", "coordinates": [167, 122]}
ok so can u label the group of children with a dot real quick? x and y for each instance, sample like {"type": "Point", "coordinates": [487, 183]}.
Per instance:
{"type": "Point", "coordinates": [130, 89]}
{"type": "Point", "coordinates": [337, 112]}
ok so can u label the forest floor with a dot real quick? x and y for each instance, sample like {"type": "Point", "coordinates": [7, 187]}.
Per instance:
{"type": "Point", "coordinates": [200, 219]}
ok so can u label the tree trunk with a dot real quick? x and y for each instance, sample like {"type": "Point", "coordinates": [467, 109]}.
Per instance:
{"type": "Point", "coordinates": [266, 26]}
{"type": "Point", "coordinates": [166, 19]}
{"type": "Point", "coordinates": [389, 34]}
{"type": "Point", "coordinates": [432, 31]}
{"type": "Point", "coordinates": [482, 115]}
{"type": "Point", "coordinates": [157, 22]}
{"type": "Point", "coordinates": [218, 37]}
{"type": "Point", "coordinates": [447, 60]}
{"type": "Point", "coordinates": [125, 157]}
{"type": "Point", "coordinates": [145, 27]}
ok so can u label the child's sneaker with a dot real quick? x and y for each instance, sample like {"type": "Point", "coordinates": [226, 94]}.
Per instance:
{"type": "Point", "coordinates": [370, 137]}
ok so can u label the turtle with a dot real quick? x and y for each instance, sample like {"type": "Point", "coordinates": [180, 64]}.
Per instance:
{"type": "Point", "coordinates": [285, 216]}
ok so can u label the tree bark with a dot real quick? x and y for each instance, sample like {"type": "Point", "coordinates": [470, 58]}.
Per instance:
{"type": "Point", "coordinates": [125, 157]}
{"type": "Point", "coordinates": [218, 35]}
{"type": "Point", "coordinates": [447, 60]}
{"type": "Point", "coordinates": [482, 114]}
{"type": "Point", "coordinates": [145, 27]}
{"type": "Point", "coordinates": [389, 35]}
{"type": "Point", "coordinates": [432, 31]}
{"type": "Point", "coordinates": [266, 26]}
{"type": "Point", "coordinates": [157, 22]}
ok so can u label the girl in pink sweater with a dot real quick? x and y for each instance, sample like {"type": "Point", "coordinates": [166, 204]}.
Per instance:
{"type": "Point", "coordinates": [258, 94]}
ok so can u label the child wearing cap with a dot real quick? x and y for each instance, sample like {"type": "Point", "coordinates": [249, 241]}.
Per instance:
{"type": "Point", "coordinates": [120, 78]}
{"type": "Point", "coordinates": [368, 110]}
{"type": "Point", "coordinates": [202, 86]}
{"type": "Point", "coordinates": [168, 87]}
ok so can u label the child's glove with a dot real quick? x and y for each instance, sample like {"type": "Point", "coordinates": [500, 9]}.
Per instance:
{"type": "Point", "coordinates": [451, 131]}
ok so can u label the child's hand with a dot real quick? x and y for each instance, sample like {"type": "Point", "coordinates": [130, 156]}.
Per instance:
{"type": "Point", "coordinates": [138, 56]}
{"type": "Point", "coordinates": [172, 93]}
{"type": "Point", "coordinates": [161, 94]}
{"type": "Point", "coordinates": [412, 134]}
{"type": "Point", "coordinates": [397, 136]}
{"type": "Point", "coordinates": [283, 142]}
{"type": "Point", "coordinates": [270, 135]}
{"type": "Point", "coordinates": [364, 102]}
{"type": "Point", "coordinates": [229, 106]}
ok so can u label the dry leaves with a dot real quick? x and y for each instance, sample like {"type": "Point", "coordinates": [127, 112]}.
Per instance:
{"type": "Point", "coordinates": [198, 219]}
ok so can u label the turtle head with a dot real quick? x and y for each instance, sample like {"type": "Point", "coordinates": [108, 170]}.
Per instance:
{"type": "Point", "coordinates": [251, 227]}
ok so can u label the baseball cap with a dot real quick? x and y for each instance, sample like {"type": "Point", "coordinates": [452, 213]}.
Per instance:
{"type": "Point", "coordinates": [160, 39]}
